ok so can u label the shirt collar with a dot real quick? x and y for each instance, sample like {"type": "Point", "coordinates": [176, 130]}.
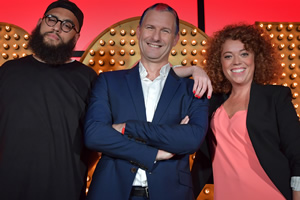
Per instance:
{"type": "Point", "coordinates": [164, 71]}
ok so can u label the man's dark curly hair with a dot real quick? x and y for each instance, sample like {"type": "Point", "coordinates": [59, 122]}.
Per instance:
{"type": "Point", "coordinates": [266, 57]}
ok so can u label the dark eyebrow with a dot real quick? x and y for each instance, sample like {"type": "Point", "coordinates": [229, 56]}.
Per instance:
{"type": "Point", "coordinates": [67, 20]}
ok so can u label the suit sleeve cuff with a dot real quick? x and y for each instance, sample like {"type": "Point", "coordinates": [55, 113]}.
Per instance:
{"type": "Point", "coordinates": [295, 183]}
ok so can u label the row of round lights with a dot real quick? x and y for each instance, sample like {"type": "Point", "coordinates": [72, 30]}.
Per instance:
{"type": "Point", "coordinates": [132, 52]}
{"type": "Point", "coordinates": [14, 46]}
{"type": "Point", "coordinates": [288, 38]}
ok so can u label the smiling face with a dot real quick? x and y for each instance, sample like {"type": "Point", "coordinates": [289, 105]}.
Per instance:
{"type": "Point", "coordinates": [54, 35]}
{"type": "Point", "coordinates": [157, 36]}
{"type": "Point", "coordinates": [237, 63]}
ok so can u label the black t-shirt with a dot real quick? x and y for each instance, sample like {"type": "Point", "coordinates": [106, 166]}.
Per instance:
{"type": "Point", "coordinates": [42, 109]}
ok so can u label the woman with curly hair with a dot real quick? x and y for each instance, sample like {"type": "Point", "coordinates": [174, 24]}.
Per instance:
{"type": "Point", "coordinates": [255, 133]}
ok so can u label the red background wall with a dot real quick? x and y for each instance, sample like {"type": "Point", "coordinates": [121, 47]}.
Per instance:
{"type": "Point", "coordinates": [221, 12]}
{"type": "Point", "coordinates": [101, 14]}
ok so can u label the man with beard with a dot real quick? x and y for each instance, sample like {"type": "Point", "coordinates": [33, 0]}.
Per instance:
{"type": "Point", "coordinates": [43, 99]}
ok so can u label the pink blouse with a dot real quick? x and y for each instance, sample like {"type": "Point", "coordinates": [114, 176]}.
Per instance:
{"type": "Point", "coordinates": [238, 174]}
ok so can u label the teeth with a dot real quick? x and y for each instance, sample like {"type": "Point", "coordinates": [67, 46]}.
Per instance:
{"type": "Point", "coordinates": [238, 70]}
{"type": "Point", "coordinates": [152, 45]}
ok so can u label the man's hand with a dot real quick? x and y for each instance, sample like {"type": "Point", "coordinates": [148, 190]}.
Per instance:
{"type": "Point", "coordinates": [202, 82]}
{"type": "Point", "coordinates": [119, 127]}
{"type": "Point", "coordinates": [163, 155]}
{"type": "Point", "coordinates": [185, 120]}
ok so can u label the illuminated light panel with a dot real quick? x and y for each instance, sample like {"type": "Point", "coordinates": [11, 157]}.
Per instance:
{"type": "Point", "coordinates": [15, 46]}
{"type": "Point", "coordinates": [7, 28]}
{"type": "Point", "coordinates": [194, 52]}
{"type": "Point", "coordinates": [294, 85]}
{"type": "Point", "coordinates": [194, 32]}
{"type": "Point", "coordinates": [292, 65]}
{"type": "Point", "coordinates": [13, 42]}
{"type": "Point", "coordinates": [15, 55]}
{"type": "Point", "coordinates": [281, 46]}
{"type": "Point", "coordinates": [280, 27]}
{"type": "Point", "coordinates": [111, 42]}
{"type": "Point", "coordinates": [289, 27]}
{"type": "Point", "coordinates": [173, 52]}
{"type": "Point", "coordinates": [206, 191]}
{"type": "Point", "coordinates": [92, 52]}
{"type": "Point", "coordinates": [132, 42]}
{"type": "Point", "coordinates": [26, 37]}
{"type": "Point", "coordinates": [132, 52]}
{"type": "Point", "coordinates": [101, 63]}
{"type": "Point", "coordinates": [194, 62]}
{"type": "Point", "coordinates": [112, 52]}
{"type": "Point", "coordinates": [122, 62]}
{"type": "Point", "coordinates": [101, 52]}
{"type": "Point", "coordinates": [112, 31]}
{"type": "Point", "coordinates": [132, 32]}
{"type": "Point", "coordinates": [16, 36]}
{"type": "Point", "coordinates": [292, 46]}
{"type": "Point", "coordinates": [184, 42]}
{"type": "Point", "coordinates": [123, 32]}
{"type": "Point", "coordinates": [122, 42]}
{"type": "Point", "coordinates": [101, 42]}
{"type": "Point", "coordinates": [112, 61]}
{"type": "Point", "coordinates": [6, 36]}
{"type": "Point", "coordinates": [122, 52]}
{"type": "Point", "coordinates": [91, 62]}
{"type": "Point", "coordinates": [4, 55]}
{"type": "Point", "coordinates": [25, 46]}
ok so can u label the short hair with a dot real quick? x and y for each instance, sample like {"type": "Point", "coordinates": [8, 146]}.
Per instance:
{"type": "Point", "coordinates": [266, 57]}
{"type": "Point", "coordinates": [162, 7]}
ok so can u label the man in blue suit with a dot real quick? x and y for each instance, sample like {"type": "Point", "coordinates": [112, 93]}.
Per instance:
{"type": "Point", "coordinates": [136, 118]}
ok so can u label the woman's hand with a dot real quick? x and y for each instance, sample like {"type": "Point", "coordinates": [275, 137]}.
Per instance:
{"type": "Point", "coordinates": [202, 82]}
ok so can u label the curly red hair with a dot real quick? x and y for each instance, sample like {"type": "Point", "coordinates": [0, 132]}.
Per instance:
{"type": "Point", "coordinates": [266, 57]}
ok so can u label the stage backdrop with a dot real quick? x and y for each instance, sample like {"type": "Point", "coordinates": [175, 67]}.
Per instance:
{"type": "Point", "coordinates": [98, 14]}
{"type": "Point", "coordinates": [101, 14]}
{"type": "Point", "coordinates": [218, 13]}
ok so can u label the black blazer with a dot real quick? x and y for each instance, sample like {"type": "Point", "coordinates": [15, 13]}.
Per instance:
{"type": "Point", "coordinates": [274, 130]}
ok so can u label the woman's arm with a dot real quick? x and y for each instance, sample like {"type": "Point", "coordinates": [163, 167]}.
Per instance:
{"type": "Point", "coordinates": [202, 82]}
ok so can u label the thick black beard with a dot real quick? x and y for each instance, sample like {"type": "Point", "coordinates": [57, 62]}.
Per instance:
{"type": "Point", "coordinates": [53, 55]}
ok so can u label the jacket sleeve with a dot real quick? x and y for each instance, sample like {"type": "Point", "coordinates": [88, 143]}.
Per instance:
{"type": "Point", "coordinates": [100, 136]}
{"type": "Point", "coordinates": [289, 129]}
{"type": "Point", "coordinates": [175, 138]}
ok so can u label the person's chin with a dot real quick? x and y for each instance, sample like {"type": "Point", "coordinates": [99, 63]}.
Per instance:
{"type": "Point", "coordinates": [52, 43]}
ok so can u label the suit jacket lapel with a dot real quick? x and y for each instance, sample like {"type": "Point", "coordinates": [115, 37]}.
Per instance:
{"type": "Point", "coordinates": [136, 92]}
{"type": "Point", "coordinates": [169, 90]}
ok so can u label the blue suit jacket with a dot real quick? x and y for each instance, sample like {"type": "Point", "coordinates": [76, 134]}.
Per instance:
{"type": "Point", "coordinates": [117, 97]}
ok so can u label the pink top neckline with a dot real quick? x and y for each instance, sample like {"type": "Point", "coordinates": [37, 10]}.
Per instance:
{"type": "Point", "coordinates": [237, 171]}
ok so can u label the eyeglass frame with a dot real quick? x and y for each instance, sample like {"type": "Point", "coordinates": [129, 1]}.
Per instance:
{"type": "Point", "coordinates": [61, 23]}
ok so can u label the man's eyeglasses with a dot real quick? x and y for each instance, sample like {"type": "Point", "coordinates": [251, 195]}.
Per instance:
{"type": "Point", "coordinates": [66, 25]}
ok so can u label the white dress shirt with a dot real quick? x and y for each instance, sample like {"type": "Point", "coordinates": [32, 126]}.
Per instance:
{"type": "Point", "coordinates": [152, 91]}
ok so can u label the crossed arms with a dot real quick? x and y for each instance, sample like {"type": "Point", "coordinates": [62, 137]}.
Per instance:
{"type": "Point", "coordinates": [142, 140]}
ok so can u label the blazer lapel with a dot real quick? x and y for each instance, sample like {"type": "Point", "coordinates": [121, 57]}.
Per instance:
{"type": "Point", "coordinates": [136, 92]}
{"type": "Point", "coordinates": [169, 90]}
